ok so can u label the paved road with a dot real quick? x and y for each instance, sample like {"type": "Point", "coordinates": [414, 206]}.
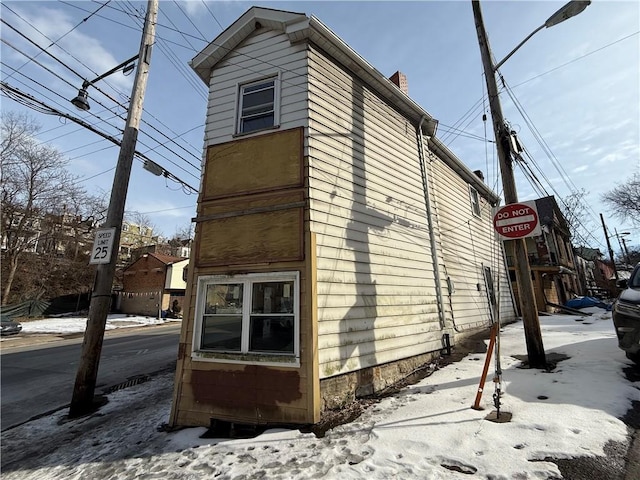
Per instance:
{"type": "Point", "coordinates": [39, 378]}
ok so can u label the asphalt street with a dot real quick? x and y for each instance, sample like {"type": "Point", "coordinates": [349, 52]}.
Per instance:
{"type": "Point", "coordinates": [38, 371]}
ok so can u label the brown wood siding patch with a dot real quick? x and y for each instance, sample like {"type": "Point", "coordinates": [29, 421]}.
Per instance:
{"type": "Point", "coordinates": [257, 164]}
{"type": "Point", "coordinates": [228, 388]}
{"type": "Point", "coordinates": [258, 238]}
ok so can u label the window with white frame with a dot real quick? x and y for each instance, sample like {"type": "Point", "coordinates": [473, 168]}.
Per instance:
{"type": "Point", "coordinates": [258, 105]}
{"type": "Point", "coordinates": [255, 314]}
{"type": "Point", "coordinates": [475, 201]}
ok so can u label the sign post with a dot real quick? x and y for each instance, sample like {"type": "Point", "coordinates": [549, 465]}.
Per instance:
{"type": "Point", "coordinates": [517, 220]}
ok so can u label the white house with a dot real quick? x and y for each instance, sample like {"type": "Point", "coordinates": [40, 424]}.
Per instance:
{"type": "Point", "coordinates": [339, 244]}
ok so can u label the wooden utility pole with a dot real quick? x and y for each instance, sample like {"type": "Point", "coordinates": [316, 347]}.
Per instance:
{"type": "Point", "coordinates": [613, 261]}
{"type": "Point", "coordinates": [82, 401]}
{"type": "Point", "coordinates": [533, 336]}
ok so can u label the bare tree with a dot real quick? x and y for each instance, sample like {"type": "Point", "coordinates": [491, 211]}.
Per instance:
{"type": "Point", "coordinates": [35, 186]}
{"type": "Point", "coordinates": [624, 200]}
{"type": "Point", "coordinates": [576, 215]}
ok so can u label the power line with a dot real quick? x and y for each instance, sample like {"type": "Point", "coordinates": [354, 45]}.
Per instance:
{"type": "Point", "coordinates": [31, 102]}
{"type": "Point", "coordinates": [92, 113]}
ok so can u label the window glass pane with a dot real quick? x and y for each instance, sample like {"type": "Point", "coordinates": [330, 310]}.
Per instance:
{"type": "Point", "coordinates": [475, 201]}
{"type": "Point", "coordinates": [221, 332]}
{"type": "Point", "coordinates": [271, 334]}
{"type": "Point", "coordinates": [257, 123]}
{"type": "Point", "coordinates": [272, 297]}
{"type": "Point", "coordinates": [263, 97]}
{"type": "Point", "coordinates": [223, 299]}
{"type": "Point", "coordinates": [259, 86]}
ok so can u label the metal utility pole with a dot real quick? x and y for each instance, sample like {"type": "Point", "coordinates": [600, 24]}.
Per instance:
{"type": "Point", "coordinates": [606, 235]}
{"type": "Point", "coordinates": [83, 391]}
{"type": "Point", "coordinates": [533, 336]}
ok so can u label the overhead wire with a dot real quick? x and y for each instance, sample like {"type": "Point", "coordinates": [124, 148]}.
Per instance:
{"type": "Point", "coordinates": [263, 62]}
{"type": "Point", "coordinates": [93, 113]}
{"type": "Point", "coordinates": [59, 38]}
{"type": "Point", "coordinates": [32, 102]}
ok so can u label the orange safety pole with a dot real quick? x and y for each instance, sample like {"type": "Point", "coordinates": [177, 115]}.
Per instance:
{"type": "Point", "coordinates": [485, 370]}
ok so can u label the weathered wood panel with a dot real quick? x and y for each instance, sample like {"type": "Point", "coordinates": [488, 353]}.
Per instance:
{"type": "Point", "coordinates": [257, 164]}
{"type": "Point", "coordinates": [258, 238]}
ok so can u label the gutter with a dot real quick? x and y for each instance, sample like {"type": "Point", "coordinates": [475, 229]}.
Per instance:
{"type": "Point", "coordinates": [432, 238]}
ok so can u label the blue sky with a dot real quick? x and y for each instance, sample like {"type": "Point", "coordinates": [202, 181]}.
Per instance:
{"type": "Point", "coordinates": [573, 96]}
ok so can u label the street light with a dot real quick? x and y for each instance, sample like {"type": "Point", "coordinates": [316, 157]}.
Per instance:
{"type": "Point", "coordinates": [571, 9]}
{"type": "Point", "coordinates": [82, 400]}
{"type": "Point", "coordinates": [81, 101]}
{"type": "Point", "coordinates": [533, 337]}
{"type": "Point", "coordinates": [623, 245]}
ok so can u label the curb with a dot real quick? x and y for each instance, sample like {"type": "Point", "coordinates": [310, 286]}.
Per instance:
{"type": "Point", "coordinates": [35, 339]}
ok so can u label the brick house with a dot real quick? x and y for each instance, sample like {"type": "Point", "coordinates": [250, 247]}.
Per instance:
{"type": "Point", "coordinates": [153, 283]}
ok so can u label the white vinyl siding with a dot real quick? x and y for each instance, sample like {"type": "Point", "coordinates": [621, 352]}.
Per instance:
{"type": "Point", "coordinates": [264, 54]}
{"type": "Point", "coordinates": [468, 244]}
{"type": "Point", "coordinates": [376, 295]}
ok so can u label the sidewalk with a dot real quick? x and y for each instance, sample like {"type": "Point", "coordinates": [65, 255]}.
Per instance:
{"type": "Point", "coordinates": [566, 424]}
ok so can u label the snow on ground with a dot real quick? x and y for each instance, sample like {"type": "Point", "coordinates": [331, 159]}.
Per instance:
{"type": "Point", "coordinates": [426, 431]}
{"type": "Point", "coordinates": [78, 324]}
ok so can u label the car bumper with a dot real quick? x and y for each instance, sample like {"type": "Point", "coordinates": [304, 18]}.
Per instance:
{"type": "Point", "coordinates": [628, 332]}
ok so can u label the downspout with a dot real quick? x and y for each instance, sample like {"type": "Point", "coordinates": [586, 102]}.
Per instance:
{"type": "Point", "coordinates": [427, 203]}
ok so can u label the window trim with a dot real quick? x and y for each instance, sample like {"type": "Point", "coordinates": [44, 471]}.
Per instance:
{"type": "Point", "coordinates": [245, 357]}
{"type": "Point", "coordinates": [474, 198]}
{"type": "Point", "coordinates": [276, 103]}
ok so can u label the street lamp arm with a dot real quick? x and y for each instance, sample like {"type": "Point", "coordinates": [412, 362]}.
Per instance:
{"type": "Point", "coordinates": [499, 64]}
{"type": "Point", "coordinates": [571, 9]}
{"type": "Point", "coordinates": [86, 83]}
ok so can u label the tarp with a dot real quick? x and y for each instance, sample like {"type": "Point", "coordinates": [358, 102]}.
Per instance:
{"type": "Point", "coordinates": [585, 302]}
{"type": "Point", "coordinates": [39, 308]}
{"type": "Point", "coordinates": [30, 308]}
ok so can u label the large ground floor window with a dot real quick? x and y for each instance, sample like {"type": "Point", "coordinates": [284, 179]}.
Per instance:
{"type": "Point", "coordinates": [249, 315]}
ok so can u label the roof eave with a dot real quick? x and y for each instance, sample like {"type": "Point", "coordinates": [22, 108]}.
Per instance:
{"type": "Point", "coordinates": [233, 35]}
{"type": "Point", "coordinates": [436, 145]}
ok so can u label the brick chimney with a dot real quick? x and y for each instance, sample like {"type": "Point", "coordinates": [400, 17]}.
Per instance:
{"type": "Point", "coordinates": [400, 80]}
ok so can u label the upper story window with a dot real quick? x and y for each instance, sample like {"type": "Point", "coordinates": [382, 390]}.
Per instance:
{"type": "Point", "coordinates": [248, 318]}
{"type": "Point", "coordinates": [258, 105]}
{"type": "Point", "coordinates": [475, 201]}
{"type": "Point", "coordinates": [125, 227]}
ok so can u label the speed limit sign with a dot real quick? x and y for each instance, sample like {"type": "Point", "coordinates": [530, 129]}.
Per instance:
{"type": "Point", "coordinates": [102, 245]}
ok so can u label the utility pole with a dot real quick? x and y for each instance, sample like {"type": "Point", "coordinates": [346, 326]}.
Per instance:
{"type": "Point", "coordinates": [626, 252]}
{"type": "Point", "coordinates": [623, 246]}
{"type": "Point", "coordinates": [533, 336]}
{"type": "Point", "coordinates": [83, 391]}
{"type": "Point", "coordinates": [606, 235]}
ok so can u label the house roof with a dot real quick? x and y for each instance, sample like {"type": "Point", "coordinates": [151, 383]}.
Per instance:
{"type": "Point", "coordinates": [588, 253]}
{"type": "Point", "coordinates": [298, 27]}
{"type": "Point", "coordinates": [166, 259]}
{"type": "Point", "coordinates": [548, 211]}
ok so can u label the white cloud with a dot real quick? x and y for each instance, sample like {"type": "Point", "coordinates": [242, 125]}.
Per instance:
{"type": "Point", "coordinates": [85, 54]}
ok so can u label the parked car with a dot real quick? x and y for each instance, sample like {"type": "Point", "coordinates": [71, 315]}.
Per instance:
{"type": "Point", "coordinates": [626, 315]}
{"type": "Point", "coordinates": [9, 327]}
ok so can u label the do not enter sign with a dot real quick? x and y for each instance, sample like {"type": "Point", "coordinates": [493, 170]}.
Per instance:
{"type": "Point", "coordinates": [517, 220]}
